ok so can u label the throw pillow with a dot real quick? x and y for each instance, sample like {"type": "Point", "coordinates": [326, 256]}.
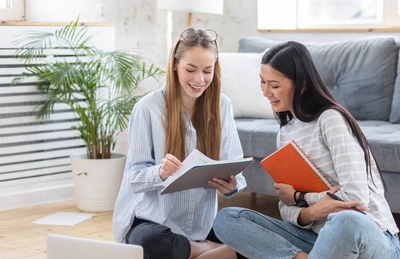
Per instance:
{"type": "Point", "coordinates": [240, 74]}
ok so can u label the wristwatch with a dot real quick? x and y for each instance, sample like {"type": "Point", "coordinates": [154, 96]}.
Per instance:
{"type": "Point", "coordinates": [301, 202]}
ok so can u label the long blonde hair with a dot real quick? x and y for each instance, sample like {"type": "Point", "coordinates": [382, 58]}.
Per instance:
{"type": "Point", "coordinates": [207, 118]}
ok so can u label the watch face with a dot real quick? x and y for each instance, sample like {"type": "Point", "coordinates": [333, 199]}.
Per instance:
{"type": "Point", "coordinates": [302, 204]}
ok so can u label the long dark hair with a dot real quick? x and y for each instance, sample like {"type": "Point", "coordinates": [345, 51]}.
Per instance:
{"type": "Point", "coordinates": [311, 96]}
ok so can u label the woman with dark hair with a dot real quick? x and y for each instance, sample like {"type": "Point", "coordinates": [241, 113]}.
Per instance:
{"type": "Point", "coordinates": [166, 125]}
{"type": "Point", "coordinates": [315, 225]}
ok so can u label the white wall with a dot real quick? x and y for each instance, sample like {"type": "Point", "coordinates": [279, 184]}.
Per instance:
{"type": "Point", "coordinates": [140, 25]}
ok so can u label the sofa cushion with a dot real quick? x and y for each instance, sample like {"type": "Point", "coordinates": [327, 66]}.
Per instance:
{"type": "Point", "coordinates": [258, 138]}
{"type": "Point", "coordinates": [360, 73]}
{"type": "Point", "coordinates": [395, 112]}
{"type": "Point", "coordinates": [255, 44]}
{"type": "Point", "coordinates": [240, 74]}
{"type": "Point", "coordinates": [384, 139]}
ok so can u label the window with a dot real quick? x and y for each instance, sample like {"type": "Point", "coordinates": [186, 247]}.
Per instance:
{"type": "Point", "coordinates": [5, 4]}
{"type": "Point", "coordinates": [12, 10]}
{"type": "Point", "coordinates": [328, 14]}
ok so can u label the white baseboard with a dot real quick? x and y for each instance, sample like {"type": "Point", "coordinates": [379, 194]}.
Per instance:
{"type": "Point", "coordinates": [30, 192]}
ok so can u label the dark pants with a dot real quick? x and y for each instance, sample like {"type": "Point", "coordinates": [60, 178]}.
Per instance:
{"type": "Point", "coordinates": [159, 242]}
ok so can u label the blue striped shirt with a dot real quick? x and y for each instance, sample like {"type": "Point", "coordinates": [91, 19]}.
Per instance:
{"type": "Point", "coordinates": [191, 212]}
{"type": "Point", "coordinates": [331, 145]}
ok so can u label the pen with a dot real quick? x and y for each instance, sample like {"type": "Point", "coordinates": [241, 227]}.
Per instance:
{"type": "Point", "coordinates": [333, 196]}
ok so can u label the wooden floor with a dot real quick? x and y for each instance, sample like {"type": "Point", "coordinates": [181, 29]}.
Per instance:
{"type": "Point", "coordinates": [20, 239]}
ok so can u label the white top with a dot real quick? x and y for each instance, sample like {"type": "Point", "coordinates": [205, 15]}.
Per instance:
{"type": "Point", "coordinates": [191, 212]}
{"type": "Point", "coordinates": [330, 144]}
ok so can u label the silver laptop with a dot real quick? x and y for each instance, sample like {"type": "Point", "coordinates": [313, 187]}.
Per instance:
{"type": "Point", "coordinates": [67, 247]}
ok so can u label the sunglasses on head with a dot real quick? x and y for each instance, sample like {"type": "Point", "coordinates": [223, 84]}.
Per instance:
{"type": "Point", "coordinates": [191, 35]}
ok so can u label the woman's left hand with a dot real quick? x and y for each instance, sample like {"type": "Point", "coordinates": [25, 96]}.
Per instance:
{"type": "Point", "coordinates": [223, 186]}
{"type": "Point", "coordinates": [285, 193]}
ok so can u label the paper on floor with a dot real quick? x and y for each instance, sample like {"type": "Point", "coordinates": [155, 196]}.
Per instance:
{"type": "Point", "coordinates": [64, 218]}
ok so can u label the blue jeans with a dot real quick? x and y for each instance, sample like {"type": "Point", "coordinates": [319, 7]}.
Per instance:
{"type": "Point", "coordinates": [346, 234]}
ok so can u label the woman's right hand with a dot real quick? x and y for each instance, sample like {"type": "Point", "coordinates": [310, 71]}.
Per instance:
{"type": "Point", "coordinates": [169, 165]}
{"type": "Point", "coordinates": [325, 206]}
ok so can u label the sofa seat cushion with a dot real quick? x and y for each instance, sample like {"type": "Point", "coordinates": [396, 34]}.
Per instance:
{"type": "Point", "coordinates": [384, 139]}
{"type": "Point", "coordinates": [258, 138]}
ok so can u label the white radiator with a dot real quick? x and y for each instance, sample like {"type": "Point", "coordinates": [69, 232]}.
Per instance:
{"type": "Point", "coordinates": [34, 154]}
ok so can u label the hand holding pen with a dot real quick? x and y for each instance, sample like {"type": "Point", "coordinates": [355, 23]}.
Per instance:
{"type": "Point", "coordinates": [333, 196]}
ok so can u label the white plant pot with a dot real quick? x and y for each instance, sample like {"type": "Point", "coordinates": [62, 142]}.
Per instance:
{"type": "Point", "coordinates": [97, 181]}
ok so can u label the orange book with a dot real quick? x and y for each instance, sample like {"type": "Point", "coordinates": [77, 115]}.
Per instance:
{"type": "Point", "coordinates": [290, 165]}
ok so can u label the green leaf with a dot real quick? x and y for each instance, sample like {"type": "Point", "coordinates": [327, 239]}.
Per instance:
{"type": "Point", "coordinates": [98, 86]}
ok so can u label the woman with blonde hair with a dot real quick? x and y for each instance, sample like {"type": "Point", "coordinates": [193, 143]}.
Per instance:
{"type": "Point", "coordinates": [188, 113]}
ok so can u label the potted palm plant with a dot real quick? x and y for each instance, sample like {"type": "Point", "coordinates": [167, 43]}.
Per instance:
{"type": "Point", "coordinates": [98, 86]}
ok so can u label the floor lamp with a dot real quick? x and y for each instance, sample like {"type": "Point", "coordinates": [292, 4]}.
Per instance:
{"type": "Point", "coordinates": [192, 6]}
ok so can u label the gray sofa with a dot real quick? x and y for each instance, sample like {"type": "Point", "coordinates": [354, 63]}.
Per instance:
{"type": "Point", "coordinates": [364, 76]}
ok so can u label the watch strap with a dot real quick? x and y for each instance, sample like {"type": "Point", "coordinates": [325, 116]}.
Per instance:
{"type": "Point", "coordinates": [301, 201]}
{"type": "Point", "coordinates": [295, 197]}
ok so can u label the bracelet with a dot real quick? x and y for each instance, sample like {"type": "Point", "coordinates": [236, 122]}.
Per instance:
{"type": "Point", "coordinates": [295, 198]}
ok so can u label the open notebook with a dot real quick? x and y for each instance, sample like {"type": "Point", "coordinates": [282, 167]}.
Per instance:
{"type": "Point", "coordinates": [67, 247]}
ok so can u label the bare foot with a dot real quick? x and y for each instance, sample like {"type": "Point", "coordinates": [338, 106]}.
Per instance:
{"type": "Point", "coordinates": [213, 244]}
{"type": "Point", "coordinates": [200, 247]}
{"type": "Point", "coordinates": [301, 255]}
{"type": "Point", "coordinates": [220, 252]}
